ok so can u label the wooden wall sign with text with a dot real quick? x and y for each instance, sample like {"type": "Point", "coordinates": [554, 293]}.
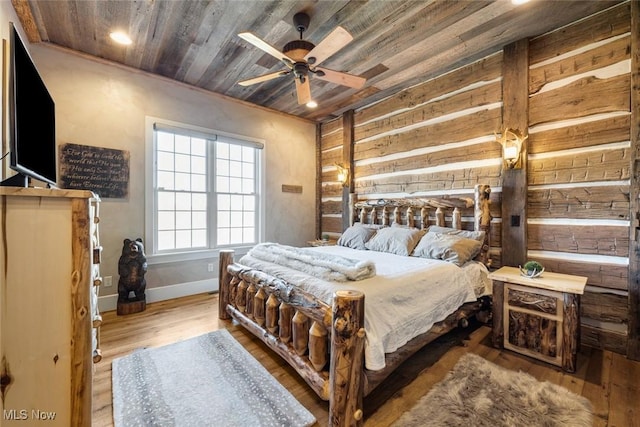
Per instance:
{"type": "Point", "coordinates": [105, 171]}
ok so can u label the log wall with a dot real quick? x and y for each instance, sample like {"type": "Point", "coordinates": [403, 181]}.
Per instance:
{"type": "Point", "coordinates": [579, 161]}
{"type": "Point", "coordinates": [438, 137]}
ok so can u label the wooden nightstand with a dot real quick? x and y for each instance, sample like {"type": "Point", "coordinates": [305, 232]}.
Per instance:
{"type": "Point", "coordinates": [538, 317]}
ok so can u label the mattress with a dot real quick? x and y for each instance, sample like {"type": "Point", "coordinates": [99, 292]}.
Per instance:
{"type": "Point", "coordinates": [405, 298]}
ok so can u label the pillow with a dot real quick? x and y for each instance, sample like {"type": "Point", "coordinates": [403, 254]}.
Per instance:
{"type": "Point", "coordinates": [447, 247]}
{"type": "Point", "coordinates": [356, 236]}
{"type": "Point", "coordinates": [469, 234]}
{"type": "Point", "coordinates": [395, 240]}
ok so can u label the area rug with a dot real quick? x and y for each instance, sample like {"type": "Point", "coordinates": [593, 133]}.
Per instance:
{"type": "Point", "coordinates": [479, 393]}
{"type": "Point", "coordinates": [210, 380]}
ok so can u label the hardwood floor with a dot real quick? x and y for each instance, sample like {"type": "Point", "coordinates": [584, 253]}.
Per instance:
{"type": "Point", "coordinates": [608, 380]}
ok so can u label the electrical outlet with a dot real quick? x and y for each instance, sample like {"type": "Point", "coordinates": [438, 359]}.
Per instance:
{"type": "Point", "coordinates": [210, 267]}
{"type": "Point", "coordinates": [108, 281]}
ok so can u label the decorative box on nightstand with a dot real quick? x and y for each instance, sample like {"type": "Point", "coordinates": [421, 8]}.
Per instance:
{"type": "Point", "coordinates": [322, 242]}
{"type": "Point", "coordinates": [538, 317]}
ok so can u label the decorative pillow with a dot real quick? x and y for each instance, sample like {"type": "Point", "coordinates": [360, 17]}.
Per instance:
{"type": "Point", "coordinates": [395, 240]}
{"type": "Point", "coordinates": [447, 247]}
{"type": "Point", "coordinates": [469, 234]}
{"type": "Point", "coordinates": [356, 236]}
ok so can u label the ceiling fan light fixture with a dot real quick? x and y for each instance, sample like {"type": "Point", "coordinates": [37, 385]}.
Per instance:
{"type": "Point", "coordinates": [120, 37]}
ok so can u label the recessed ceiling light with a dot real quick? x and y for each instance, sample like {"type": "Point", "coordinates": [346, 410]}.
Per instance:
{"type": "Point", "coordinates": [518, 2]}
{"type": "Point", "coordinates": [120, 37]}
{"type": "Point", "coordinates": [312, 104]}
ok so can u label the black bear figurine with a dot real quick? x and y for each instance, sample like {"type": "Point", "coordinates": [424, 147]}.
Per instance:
{"type": "Point", "coordinates": [132, 267]}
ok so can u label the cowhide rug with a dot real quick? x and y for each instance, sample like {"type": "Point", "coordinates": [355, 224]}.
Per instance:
{"type": "Point", "coordinates": [479, 393]}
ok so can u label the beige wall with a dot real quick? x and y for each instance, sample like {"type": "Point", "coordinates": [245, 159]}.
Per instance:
{"type": "Point", "coordinates": [105, 105]}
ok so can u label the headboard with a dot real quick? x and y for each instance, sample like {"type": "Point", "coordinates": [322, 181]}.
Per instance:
{"type": "Point", "coordinates": [444, 211]}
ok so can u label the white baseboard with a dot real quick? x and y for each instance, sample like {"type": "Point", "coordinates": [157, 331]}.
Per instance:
{"type": "Point", "coordinates": [110, 302]}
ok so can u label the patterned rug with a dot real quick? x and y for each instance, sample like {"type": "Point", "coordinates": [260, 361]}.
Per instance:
{"type": "Point", "coordinates": [210, 380]}
{"type": "Point", "coordinates": [480, 393]}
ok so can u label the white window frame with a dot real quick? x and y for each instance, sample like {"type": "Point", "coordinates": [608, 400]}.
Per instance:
{"type": "Point", "coordinates": [151, 123]}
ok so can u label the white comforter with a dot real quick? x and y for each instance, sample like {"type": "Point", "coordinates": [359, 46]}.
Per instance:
{"type": "Point", "coordinates": [405, 298]}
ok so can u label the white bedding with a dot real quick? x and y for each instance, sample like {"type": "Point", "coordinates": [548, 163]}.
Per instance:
{"type": "Point", "coordinates": [405, 298]}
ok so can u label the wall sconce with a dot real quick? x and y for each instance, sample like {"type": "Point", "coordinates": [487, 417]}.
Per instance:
{"type": "Point", "coordinates": [343, 175]}
{"type": "Point", "coordinates": [511, 141]}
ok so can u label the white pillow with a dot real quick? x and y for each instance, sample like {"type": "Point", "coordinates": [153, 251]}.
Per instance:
{"type": "Point", "coordinates": [395, 240]}
{"type": "Point", "coordinates": [356, 236]}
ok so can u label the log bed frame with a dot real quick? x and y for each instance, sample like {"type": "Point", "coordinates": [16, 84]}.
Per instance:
{"type": "Point", "coordinates": [325, 343]}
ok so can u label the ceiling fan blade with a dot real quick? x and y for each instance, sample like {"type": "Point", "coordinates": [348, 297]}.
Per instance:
{"type": "Point", "coordinates": [263, 78]}
{"type": "Point", "coordinates": [304, 91]}
{"type": "Point", "coordinates": [335, 41]}
{"type": "Point", "coordinates": [343, 79]}
{"type": "Point", "coordinates": [266, 47]}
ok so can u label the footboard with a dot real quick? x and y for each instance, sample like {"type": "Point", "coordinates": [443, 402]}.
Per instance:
{"type": "Point", "coordinates": [324, 344]}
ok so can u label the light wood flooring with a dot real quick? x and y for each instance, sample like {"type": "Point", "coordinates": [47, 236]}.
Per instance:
{"type": "Point", "coordinates": [608, 380]}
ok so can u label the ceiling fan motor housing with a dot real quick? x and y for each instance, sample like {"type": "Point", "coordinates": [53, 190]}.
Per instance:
{"type": "Point", "coordinates": [297, 49]}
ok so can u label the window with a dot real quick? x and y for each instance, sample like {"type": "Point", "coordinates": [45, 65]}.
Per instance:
{"type": "Point", "coordinates": [206, 190]}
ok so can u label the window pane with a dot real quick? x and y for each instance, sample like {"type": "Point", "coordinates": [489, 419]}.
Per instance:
{"type": "Point", "coordinates": [183, 220]}
{"type": "Point", "coordinates": [235, 185]}
{"type": "Point", "coordinates": [165, 161]}
{"type": "Point", "coordinates": [222, 150]}
{"type": "Point", "coordinates": [166, 220]}
{"type": "Point", "coordinates": [236, 235]}
{"type": "Point", "coordinates": [235, 168]}
{"type": "Point", "coordinates": [199, 202]}
{"type": "Point", "coordinates": [183, 201]}
{"type": "Point", "coordinates": [198, 147]}
{"type": "Point", "coordinates": [224, 219]}
{"type": "Point", "coordinates": [199, 165]}
{"type": "Point", "coordinates": [248, 170]}
{"type": "Point", "coordinates": [183, 239]}
{"type": "Point", "coordinates": [199, 183]}
{"type": "Point", "coordinates": [166, 240]}
{"type": "Point", "coordinates": [236, 219]}
{"type": "Point", "coordinates": [222, 184]}
{"type": "Point", "coordinates": [199, 238]}
{"type": "Point", "coordinates": [183, 163]}
{"type": "Point", "coordinates": [199, 220]}
{"type": "Point", "coordinates": [165, 180]}
{"type": "Point", "coordinates": [247, 186]}
{"type": "Point", "coordinates": [248, 235]}
{"type": "Point", "coordinates": [248, 154]}
{"type": "Point", "coordinates": [224, 202]}
{"type": "Point", "coordinates": [164, 141]}
{"type": "Point", "coordinates": [183, 181]}
{"type": "Point", "coordinates": [248, 219]}
{"type": "Point", "coordinates": [224, 236]}
{"type": "Point", "coordinates": [166, 201]}
{"type": "Point", "coordinates": [235, 152]}
{"type": "Point", "coordinates": [236, 202]}
{"type": "Point", "coordinates": [222, 167]}
{"type": "Point", "coordinates": [249, 203]}
{"type": "Point", "coordinates": [183, 144]}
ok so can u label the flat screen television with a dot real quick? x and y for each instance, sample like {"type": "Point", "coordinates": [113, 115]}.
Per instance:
{"type": "Point", "coordinates": [32, 123]}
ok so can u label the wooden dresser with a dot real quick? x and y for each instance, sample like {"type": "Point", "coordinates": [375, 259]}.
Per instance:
{"type": "Point", "coordinates": [49, 264]}
{"type": "Point", "coordinates": [538, 317]}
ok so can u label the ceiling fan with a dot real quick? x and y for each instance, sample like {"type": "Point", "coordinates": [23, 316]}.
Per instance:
{"type": "Point", "coordinates": [302, 58]}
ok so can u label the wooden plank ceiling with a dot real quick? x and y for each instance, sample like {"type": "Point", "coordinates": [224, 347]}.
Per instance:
{"type": "Point", "coordinates": [396, 43]}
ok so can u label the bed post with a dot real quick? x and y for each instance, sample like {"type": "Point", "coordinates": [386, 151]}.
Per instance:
{"type": "Point", "coordinates": [346, 367]}
{"type": "Point", "coordinates": [224, 281]}
{"type": "Point", "coordinates": [482, 214]}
